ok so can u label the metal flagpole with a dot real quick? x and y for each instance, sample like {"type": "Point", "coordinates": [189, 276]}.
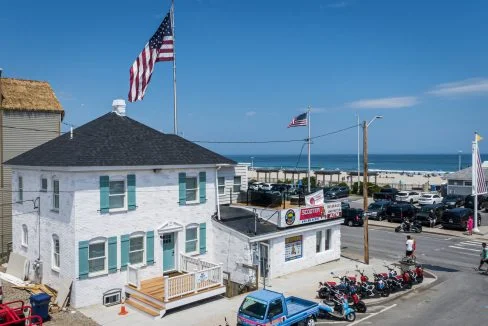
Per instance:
{"type": "Point", "coordinates": [474, 181]}
{"type": "Point", "coordinates": [174, 66]}
{"type": "Point", "coordinates": [358, 152]}
{"type": "Point", "coordinates": [308, 122]}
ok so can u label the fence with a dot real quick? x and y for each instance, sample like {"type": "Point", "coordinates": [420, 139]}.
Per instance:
{"type": "Point", "coordinates": [191, 283]}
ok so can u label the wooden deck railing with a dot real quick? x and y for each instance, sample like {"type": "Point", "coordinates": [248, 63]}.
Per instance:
{"type": "Point", "coordinates": [133, 276]}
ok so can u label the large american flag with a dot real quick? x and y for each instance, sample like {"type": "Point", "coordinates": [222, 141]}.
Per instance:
{"type": "Point", "coordinates": [159, 48]}
{"type": "Point", "coordinates": [298, 121]}
{"type": "Point", "coordinates": [480, 175]}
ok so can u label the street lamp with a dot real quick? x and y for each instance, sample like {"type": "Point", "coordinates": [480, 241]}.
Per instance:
{"type": "Point", "coordinates": [459, 160]}
{"type": "Point", "coordinates": [365, 185]}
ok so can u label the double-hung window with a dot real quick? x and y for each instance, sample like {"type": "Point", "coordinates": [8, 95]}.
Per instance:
{"type": "Point", "coordinates": [117, 193]}
{"type": "Point", "coordinates": [318, 241]}
{"type": "Point", "coordinates": [221, 185]}
{"type": "Point", "coordinates": [21, 189]}
{"type": "Point", "coordinates": [192, 190]}
{"type": "Point", "coordinates": [43, 184]}
{"type": "Point", "coordinates": [97, 258]}
{"type": "Point", "coordinates": [191, 238]}
{"type": "Point", "coordinates": [56, 252]}
{"type": "Point", "coordinates": [25, 236]}
{"type": "Point", "coordinates": [237, 184]}
{"type": "Point", "coordinates": [327, 239]}
{"type": "Point", "coordinates": [136, 249]}
{"type": "Point", "coordinates": [55, 194]}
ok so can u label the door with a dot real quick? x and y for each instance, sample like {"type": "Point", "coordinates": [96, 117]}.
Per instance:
{"type": "Point", "coordinates": [168, 252]}
{"type": "Point", "coordinates": [264, 263]}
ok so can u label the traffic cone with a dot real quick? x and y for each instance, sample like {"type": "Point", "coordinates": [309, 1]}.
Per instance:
{"type": "Point", "coordinates": [123, 311]}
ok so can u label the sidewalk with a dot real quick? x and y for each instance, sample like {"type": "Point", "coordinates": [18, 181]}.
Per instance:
{"type": "Point", "coordinates": [302, 284]}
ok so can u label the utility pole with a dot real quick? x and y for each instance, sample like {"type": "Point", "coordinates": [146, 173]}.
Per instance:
{"type": "Point", "coordinates": [365, 192]}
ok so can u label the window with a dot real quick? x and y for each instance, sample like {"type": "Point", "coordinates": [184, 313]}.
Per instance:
{"type": "Point", "coordinates": [468, 183]}
{"type": "Point", "coordinates": [318, 243]}
{"type": "Point", "coordinates": [327, 239]}
{"type": "Point", "coordinates": [43, 184]}
{"type": "Point", "coordinates": [221, 185]}
{"type": "Point", "coordinates": [136, 249]}
{"type": "Point", "coordinates": [237, 184]}
{"type": "Point", "coordinates": [55, 194]}
{"type": "Point", "coordinates": [25, 236]}
{"type": "Point", "coordinates": [275, 308]}
{"type": "Point", "coordinates": [191, 189]}
{"type": "Point", "coordinates": [116, 194]}
{"type": "Point", "coordinates": [97, 260]}
{"type": "Point", "coordinates": [191, 238]}
{"type": "Point", "coordinates": [55, 250]}
{"type": "Point", "coordinates": [21, 189]}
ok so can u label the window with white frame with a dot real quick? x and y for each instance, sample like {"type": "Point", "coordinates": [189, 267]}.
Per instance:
{"type": "Point", "coordinates": [191, 189]}
{"type": "Point", "coordinates": [327, 239]}
{"type": "Point", "coordinates": [55, 194]}
{"type": "Point", "coordinates": [55, 250]}
{"type": "Point", "coordinates": [21, 189]}
{"type": "Point", "coordinates": [221, 185]}
{"type": "Point", "coordinates": [44, 184]}
{"type": "Point", "coordinates": [237, 184]}
{"type": "Point", "coordinates": [136, 249]}
{"type": "Point", "coordinates": [191, 238]}
{"type": "Point", "coordinates": [318, 241]}
{"type": "Point", "coordinates": [97, 258]}
{"type": "Point", "coordinates": [116, 193]}
{"type": "Point", "coordinates": [25, 235]}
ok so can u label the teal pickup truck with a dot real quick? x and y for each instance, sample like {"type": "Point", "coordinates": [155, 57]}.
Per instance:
{"type": "Point", "coordinates": [265, 307]}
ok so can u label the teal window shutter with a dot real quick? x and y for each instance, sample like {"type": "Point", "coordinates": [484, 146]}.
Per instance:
{"type": "Point", "coordinates": [112, 254]}
{"type": "Point", "coordinates": [203, 186]}
{"type": "Point", "coordinates": [124, 251]}
{"type": "Point", "coordinates": [83, 259]}
{"type": "Point", "coordinates": [104, 194]}
{"type": "Point", "coordinates": [131, 191]}
{"type": "Point", "coordinates": [182, 192]}
{"type": "Point", "coordinates": [203, 238]}
{"type": "Point", "coordinates": [150, 247]}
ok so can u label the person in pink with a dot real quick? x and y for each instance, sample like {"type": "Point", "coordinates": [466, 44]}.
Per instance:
{"type": "Point", "coordinates": [470, 225]}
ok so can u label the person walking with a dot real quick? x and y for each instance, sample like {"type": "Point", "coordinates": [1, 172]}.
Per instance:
{"type": "Point", "coordinates": [470, 225]}
{"type": "Point", "coordinates": [483, 255]}
{"type": "Point", "coordinates": [410, 244]}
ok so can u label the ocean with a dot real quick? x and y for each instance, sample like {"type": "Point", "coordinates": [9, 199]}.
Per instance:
{"type": "Point", "coordinates": [348, 162]}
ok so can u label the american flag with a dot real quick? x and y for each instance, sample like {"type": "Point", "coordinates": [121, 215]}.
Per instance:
{"type": "Point", "coordinates": [480, 175]}
{"type": "Point", "coordinates": [298, 121]}
{"type": "Point", "coordinates": [159, 48]}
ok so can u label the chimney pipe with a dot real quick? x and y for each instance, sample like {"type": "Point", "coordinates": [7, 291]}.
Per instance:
{"type": "Point", "coordinates": [118, 106]}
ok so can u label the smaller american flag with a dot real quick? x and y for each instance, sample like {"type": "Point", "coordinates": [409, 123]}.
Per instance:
{"type": "Point", "coordinates": [299, 121]}
{"type": "Point", "coordinates": [480, 175]}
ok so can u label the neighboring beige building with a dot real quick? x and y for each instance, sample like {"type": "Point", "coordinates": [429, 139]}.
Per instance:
{"type": "Point", "coordinates": [30, 115]}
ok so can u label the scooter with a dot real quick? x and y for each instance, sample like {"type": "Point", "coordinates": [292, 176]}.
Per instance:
{"type": "Point", "coordinates": [419, 271]}
{"type": "Point", "coordinates": [366, 288]}
{"type": "Point", "coordinates": [394, 280]}
{"type": "Point", "coordinates": [345, 312]}
{"type": "Point", "coordinates": [381, 286]}
{"type": "Point", "coordinates": [407, 226]}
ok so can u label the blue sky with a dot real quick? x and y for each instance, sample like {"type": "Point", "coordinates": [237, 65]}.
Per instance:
{"type": "Point", "coordinates": [245, 68]}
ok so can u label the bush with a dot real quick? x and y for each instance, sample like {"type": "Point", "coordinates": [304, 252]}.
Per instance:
{"type": "Point", "coordinates": [313, 182]}
{"type": "Point", "coordinates": [372, 188]}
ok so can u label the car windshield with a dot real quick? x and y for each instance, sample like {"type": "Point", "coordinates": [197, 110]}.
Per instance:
{"type": "Point", "coordinates": [451, 197]}
{"type": "Point", "coordinates": [427, 196]}
{"type": "Point", "coordinates": [253, 307]}
{"type": "Point", "coordinates": [402, 194]}
{"type": "Point", "coordinates": [374, 206]}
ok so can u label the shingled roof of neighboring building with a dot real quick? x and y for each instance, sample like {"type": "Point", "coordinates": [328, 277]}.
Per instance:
{"type": "Point", "coordinates": [28, 95]}
{"type": "Point", "coordinates": [465, 174]}
{"type": "Point", "coordinates": [113, 140]}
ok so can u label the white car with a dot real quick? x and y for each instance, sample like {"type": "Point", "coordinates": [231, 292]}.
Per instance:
{"type": "Point", "coordinates": [255, 186]}
{"type": "Point", "coordinates": [408, 196]}
{"type": "Point", "coordinates": [266, 186]}
{"type": "Point", "coordinates": [429, 199]}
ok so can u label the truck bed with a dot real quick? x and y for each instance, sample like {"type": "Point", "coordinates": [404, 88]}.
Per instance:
{"type": "Point", "coordinates": [297, 305]}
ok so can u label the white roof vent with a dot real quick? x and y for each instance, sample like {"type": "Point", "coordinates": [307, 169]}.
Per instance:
{"type": "Point", "coordinates": [118, 106]}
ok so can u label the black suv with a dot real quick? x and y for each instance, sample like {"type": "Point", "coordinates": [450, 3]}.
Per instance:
{"type": "Point", "coordinates": [453, 201]}
{"type": "Point", "coordinates": [457, 218]}
{"type": "Point", "coordinates": [353, 216]}
{"type": "Point", "coordinates": [385, 194]}
{"type": "Point", "coordinates": [337, 192]}
{"type": "Point", "coordinates": [482, 201]}
{"type": "Point", "coordinates": [397, 212]}
{"type": "Point", "coordinates": [379, 210]}
{"type": "Point", "coordinates": [430, 215]}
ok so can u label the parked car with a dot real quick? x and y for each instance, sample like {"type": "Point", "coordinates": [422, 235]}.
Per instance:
{"type": "Point", "coordinates": [266, 186]}
{"type": "Point", "coordinates": [281, 187]}
{"type": "Point", "coordinates": [408, 196]}
{"type": "Point", "coordinates": [379, 210]}
{"type": "Point", "coordinates": [482, 201]}
{"type": "Point", "coordinates": [337, 192]}
{"type": "Point", "coordinates": [453, 201]}
{"type": "Point", "coordinates": [430, 215]}
{"type": "Point", "coordinates": [399, 211]}
{"type": "Point", "coordinates": [429, 199]}
{"type": "Point", "coordinates": [385, 194]}
{"type": "Point", "coordinates": [255, 186]}
{"type": "Point", "coordinates": [353, 216]}
{"type": "Point", "coordinates": [457, 218]}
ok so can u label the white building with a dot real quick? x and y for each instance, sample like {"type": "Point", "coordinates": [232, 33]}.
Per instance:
{"type": "Point", "coordinates": [120, 205]}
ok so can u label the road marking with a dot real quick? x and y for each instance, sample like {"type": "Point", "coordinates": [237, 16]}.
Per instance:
{"type": "Point", "coordinates": [471, 243]}
{"type": "Point", "coordinates": [462, 248]}
{"type": "Point", "coordinates": [373, 314]}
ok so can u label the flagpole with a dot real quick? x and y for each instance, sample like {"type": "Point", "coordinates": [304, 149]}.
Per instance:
{"type": "Point", "coordinates": [475, 181]}
{"type": "Point", "coordinates": [309, 123]}
{"type": "Point", "coordinates": [174, 66]}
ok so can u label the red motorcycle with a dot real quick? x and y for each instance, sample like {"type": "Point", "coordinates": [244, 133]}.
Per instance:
{"type": "Point", "coordinates": [419, 271]}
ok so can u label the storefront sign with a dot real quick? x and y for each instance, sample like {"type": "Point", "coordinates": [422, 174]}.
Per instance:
{"type": "Point", "coordinates": [333, 210]}
{"type": "Point", "coordinates": [317, 198]}
{"type": "Point", "coordinates": [293, 248]}
{"type": "Point", "coordinates": [310, 214]}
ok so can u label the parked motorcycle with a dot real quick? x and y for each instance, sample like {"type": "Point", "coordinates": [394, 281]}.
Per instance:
{"type": "Point", "coordinates": [366, 288]}
{"type": "Point", "coordinates": [353, 299]}
{"type": "Point", "coordinates": [381, 286]}
{"type": "Point", "coordinates": [407, 226]}
{"type": "Point", "coordinates": [344, 311]}
{"type": "Point", "coordinates": [394, 280]}
{"type": "Point", "coordinates": [419, 271]}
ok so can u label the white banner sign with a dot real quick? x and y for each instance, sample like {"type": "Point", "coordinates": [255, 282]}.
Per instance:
{"type": "Point", "coordinates": [317, 198]}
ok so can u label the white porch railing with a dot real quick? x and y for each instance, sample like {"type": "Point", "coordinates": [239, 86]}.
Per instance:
{"type": "Point", "coordinates": [190, 264]}
{"type": "Point", "coordinates": [133, 276]}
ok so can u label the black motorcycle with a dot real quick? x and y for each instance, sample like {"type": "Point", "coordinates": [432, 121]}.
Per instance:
{"type": "Point", "coordinates": [407, 226]}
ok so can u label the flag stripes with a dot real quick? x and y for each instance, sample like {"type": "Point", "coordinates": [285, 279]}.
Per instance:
{"type": "Point", "coordinates": [480, 175]}
{"type": "Point", "coordinates": [299, 121]}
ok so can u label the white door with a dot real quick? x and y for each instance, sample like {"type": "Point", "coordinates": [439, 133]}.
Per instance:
{"type": "Point", "coordinates": [264, 264]}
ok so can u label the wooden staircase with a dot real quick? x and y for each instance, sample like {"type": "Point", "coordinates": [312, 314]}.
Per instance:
{"type": "Point", "coordinates": [149, 298]}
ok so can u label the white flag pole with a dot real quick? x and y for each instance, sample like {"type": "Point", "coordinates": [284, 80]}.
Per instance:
{"type": "Point", "coordinates": [474, 181]}
{"type": "Point", "coordinates": [308, 122]}
{"type": "Point", "coordinates": [174, 66]}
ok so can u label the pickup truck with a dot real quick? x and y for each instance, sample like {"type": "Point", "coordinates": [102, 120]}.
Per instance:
{"type": "Point", "coordinates": [385, 194]}
{"type": "Point", "coordinates": [265, 307]}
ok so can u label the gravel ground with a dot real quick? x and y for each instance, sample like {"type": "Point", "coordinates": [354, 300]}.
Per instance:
{"type": "Point", "coordinates": [62, 318]}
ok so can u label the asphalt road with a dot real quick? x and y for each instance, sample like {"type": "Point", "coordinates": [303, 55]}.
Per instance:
{"type": "Point", "coordinates": [460, 295]}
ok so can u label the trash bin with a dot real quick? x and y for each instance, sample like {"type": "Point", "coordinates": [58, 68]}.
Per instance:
{"type": "Point", "coordinates": [40, 305]}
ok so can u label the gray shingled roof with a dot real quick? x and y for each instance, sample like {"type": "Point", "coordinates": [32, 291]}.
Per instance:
{"type": "Point", "coordinates": [113, 140]}
{"type": "Point", "coordinates": [465, 174]}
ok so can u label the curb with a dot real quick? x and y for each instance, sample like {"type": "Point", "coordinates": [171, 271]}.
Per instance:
{"type": "Point", "coordinates": [403, 293]}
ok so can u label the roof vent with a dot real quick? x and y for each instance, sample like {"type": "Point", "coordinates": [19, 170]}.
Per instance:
{"type": "Point", "coordinates": [118, 106]}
